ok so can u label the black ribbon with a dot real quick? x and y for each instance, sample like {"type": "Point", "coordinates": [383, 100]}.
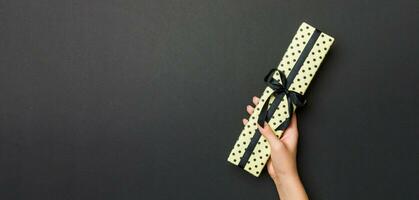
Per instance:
{"type": "Point", "coordinates": [280, 88]}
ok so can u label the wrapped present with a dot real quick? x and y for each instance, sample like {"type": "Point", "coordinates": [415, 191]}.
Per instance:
{"type": "Point", "coordinates": [285, 90]}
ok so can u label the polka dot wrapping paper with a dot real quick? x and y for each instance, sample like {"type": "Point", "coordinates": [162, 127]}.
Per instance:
{"type": "Point", "coordinates": [297, 68]}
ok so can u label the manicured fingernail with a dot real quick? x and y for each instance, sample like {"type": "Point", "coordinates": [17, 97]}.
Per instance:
{"type": "Point", "coordinates": [249, 108]}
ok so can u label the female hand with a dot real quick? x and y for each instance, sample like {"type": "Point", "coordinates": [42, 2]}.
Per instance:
{"type": "Point", "coordinates": [282, 166]}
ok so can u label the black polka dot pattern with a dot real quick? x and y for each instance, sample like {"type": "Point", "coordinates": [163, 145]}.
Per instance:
{"type": "Point", "coordinates": [261, 152]}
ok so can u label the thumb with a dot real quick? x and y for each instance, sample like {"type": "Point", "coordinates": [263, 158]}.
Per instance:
{"type": "Point", "coordinates": [267, 132]}
{"type": "Point", "coordinates": [290, 136]}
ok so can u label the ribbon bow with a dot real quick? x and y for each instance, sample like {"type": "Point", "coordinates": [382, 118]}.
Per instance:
{"type": "Point", "coordinates": [280, 89]}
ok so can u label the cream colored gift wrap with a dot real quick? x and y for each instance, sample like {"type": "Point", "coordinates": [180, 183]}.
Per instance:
{"type": "Point", "coordinates": [286, 86]}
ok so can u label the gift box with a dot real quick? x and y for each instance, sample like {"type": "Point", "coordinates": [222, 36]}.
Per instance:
{"type": "Point", "coordinates": [285, 90]}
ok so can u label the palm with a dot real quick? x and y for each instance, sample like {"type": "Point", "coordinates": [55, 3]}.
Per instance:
{"type": "Point", "coordinates": [288, 141]}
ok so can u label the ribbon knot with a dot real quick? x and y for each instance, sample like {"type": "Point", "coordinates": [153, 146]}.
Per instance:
{"type": "Point", "coordinates": [280, 88]}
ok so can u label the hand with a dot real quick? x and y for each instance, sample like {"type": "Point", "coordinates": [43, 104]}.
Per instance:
{"type": "Point", "coordinates": [282, 166]}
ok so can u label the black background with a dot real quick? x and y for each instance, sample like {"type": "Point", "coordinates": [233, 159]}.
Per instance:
{"type": "Point", "coordinates": [143, 99]}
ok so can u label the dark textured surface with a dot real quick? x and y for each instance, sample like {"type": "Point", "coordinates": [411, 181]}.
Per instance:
{"type": "Point", "coordinates": [144, 99]}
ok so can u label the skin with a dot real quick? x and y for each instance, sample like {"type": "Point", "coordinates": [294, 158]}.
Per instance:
{"type": "Point", "coordinates": [282, 166]}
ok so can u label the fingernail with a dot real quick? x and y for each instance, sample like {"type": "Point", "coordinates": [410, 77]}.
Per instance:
{"type": "Point", "coordinates": [250, 108]}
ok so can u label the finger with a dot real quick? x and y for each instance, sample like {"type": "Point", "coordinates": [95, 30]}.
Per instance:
{"type": "Point", "coordinates": [267, 132]}
{"type": "Point", "coordinates": [293, 123]}
{"type": "Point", "coordinates": [245, 121]}
{"type": "Point", "coordinates": [250, 109]}
{"type": "Point", "coordinates": [255, 100]}
{"type": "Point", "coordinates": [269, 163]}
{"type": "Point", "coordinates": [292, 127]}
{"type": "Point", "coordinates": [271, 169]}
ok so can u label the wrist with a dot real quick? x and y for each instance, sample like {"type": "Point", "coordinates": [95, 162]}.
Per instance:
{"type": "Point", "coordinates": [286, 180]}
{"type": "Point", "coordinates": [285, 176]}
{"type": "Point", "coordinates": [290, 187]}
